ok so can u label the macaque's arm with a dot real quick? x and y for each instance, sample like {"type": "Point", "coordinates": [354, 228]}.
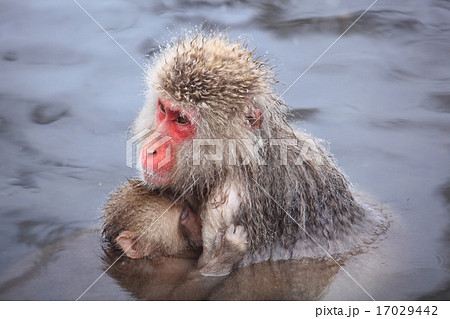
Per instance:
{"type": "Point", "coordinates": [217, 215]}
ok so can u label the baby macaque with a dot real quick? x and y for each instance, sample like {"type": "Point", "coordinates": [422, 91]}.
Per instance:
{"type": "Point", "coordinates": [148, 223]}
{"type": "Point", "coordinates": [144, 223]}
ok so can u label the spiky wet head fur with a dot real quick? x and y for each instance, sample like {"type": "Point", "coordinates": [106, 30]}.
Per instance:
{"type": "Point", "coordinates": [211, 74]}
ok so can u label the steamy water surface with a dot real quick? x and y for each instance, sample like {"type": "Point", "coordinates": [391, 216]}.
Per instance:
{"type": "Point", "coordinates": [380, 96]}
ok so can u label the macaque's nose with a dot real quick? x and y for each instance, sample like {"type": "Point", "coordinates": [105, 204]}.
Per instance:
{"type": "Point", "coordinates": [156, 155]}
{"type": "Point", "coordinates": [151, 151]}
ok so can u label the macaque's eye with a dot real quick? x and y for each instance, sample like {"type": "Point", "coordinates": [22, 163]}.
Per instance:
{"type": "Point", "coordinates": [181, 120]}
{"type": "Point", "coordinates": [249, 119]}
{"type": "Point", "coordinates": [162, 108]}
{"type": "Point", "coordinates": [184, 214]}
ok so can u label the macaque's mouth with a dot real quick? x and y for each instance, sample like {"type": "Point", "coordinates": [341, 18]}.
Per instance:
{"type": "Point", "coordinates": [153, 178]}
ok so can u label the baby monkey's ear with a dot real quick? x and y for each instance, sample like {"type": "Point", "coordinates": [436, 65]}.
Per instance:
{"type": "Point", "coordinates": [127, 241]}
{"type": "Point", "coordinates": [191, 227]}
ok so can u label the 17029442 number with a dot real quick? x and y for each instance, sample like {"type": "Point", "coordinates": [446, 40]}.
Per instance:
{"type": "Point", "coordinates": [406, 311]}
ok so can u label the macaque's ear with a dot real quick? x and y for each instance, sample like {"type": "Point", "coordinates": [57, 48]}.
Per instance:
{"type": "Point", "coordinates": [254, 121]}
{"type": "Point", "coordinates": [191, 226]}
{"type": "Point", "coordinates": [127, 241]}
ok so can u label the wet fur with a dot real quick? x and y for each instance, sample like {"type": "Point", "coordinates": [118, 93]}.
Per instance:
{"type": "Point", "coordinates": [222, 83]}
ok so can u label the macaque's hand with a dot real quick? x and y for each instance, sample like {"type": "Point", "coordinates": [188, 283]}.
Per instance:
{"type": "Point", "coordinates": [231, 247]}
{"type": "Point", "coordinates": [236, 238]}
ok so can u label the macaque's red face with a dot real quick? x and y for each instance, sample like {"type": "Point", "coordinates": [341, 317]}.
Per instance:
{"type": "Point", "coordinates": [172, 129]}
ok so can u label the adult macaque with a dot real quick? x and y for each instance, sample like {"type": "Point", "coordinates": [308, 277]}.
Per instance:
{"type": "Point", "coordinates": [218, 133]}
{"type": "Point", "coordinates": [144, 223]}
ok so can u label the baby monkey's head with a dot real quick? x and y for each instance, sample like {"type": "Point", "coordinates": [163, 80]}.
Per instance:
{"type": "Point", "coordinates": [144, 223]}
